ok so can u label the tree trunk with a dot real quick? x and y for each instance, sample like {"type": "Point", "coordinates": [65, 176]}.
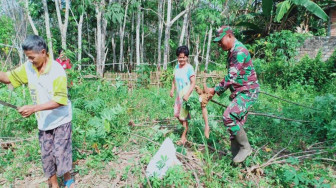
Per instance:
{"type": "Point", "coordinates": [17, 14]}
{"type": "Point", "coordinates": [122, 33]}
{"type": "Point", "coordinates": [142, 49]}
{"type": "Point", "coordinates": [187, 33]}
{"type": "Point", "coordinates": [30, 18]}
{"type": "Point", "coordinates": [138, 35]}
{"type": "Point", "coordinates": [208, 49]}
{"type": "Point", "coordinates": [203, 47]}
{"type": "Point", "coordinates": [128, 52]}
{"type": "Point", "coordinates": [160, 15]}
{"type": "Point", "coordinates": [101, 37]}
{"type": "Point", "coordinates": [46, 16]}
{"type": "Point", "coordinates": [63, 26]}
{"type": "Point", "coordinates": [169, 23]}
{"type": "Point", "coordinates": [184, 28]}
{"type": "Point", "coordinates": [98, 40]}
{"type": "Point", "coordinates": [167, 36]}
{"type": "Point", "coordinates": [80, 24]}
{"type": "Point", "coordinates": [197, 54]}
{"type": "Point", "coordinates": [114, 52]}
{"type": "Point", "coordinates": [132, 43]}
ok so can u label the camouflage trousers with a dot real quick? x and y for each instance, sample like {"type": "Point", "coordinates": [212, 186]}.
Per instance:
{"type": "Point", "coordinates": [235, 114]}
{"type": "Point", "coordinates": [56, 150]}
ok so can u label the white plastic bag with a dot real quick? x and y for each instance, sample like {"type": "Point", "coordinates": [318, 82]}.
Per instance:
{"type": "Point", "coordinates": [163, 159]}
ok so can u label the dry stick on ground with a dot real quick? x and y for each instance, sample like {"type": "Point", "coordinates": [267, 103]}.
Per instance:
{"type": "Point", "coordinates": [194, 172]}
{"type": "Point", "coordinates": [290, 141]}
{"type": "Point", "coordinates": [288, 101]}
{"type": "Point", "coordinates": [266, 115]}
{"type": "Point", "coordinates": [257, 151]}
{"type": "Point", "coordinates": [298, 157]}
{"type": "Point", "coordinates": [143, 171]}
{"type": "Point", "coordinates": [210, 147]}
{"type": "Point", "coordinates": [276, 161]}
{"type": "Point", "coordinates": [326, 159]}
{"type": "Point", "coordinates": [251, 169]}
{"type": "Point", "coordinates": [309, 152]}
{"type": "Point", "coordinates": [15, 141]}
{"type": "Point", "coordinates": [317, 143]}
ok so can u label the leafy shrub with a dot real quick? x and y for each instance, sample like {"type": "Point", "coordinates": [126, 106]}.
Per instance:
{"type": "Point", "coordinates": [143, 75]}
{"type": "Point", "coordinates": [279, 46]}
{"type": "Point", "coordinates": [325, 122]}
{"type": "Point", "coordinates": [313, 72]}
{"type": "Point", "coordinates": [167, 77]}
{"type": "Point", "coordinates": [175, 177]}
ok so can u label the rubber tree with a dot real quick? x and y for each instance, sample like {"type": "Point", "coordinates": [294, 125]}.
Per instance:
{"type": "Point", "coordinates": [137, 40]}
{"type": "Point", "coordinates": [30, 19]}
{"type": "Point", "coordinates": [160, 30]}
{"type": "Point", "coordinates": [209, 15]}
{"type": "Point", "coordinates": [47, 25]}
{"type": "Point", "coordinates": [168, 24]}
{"type": "Point", "coordinates": [79, 23]}
{"type": "Point", "coordinates": [122, 34]}
{"type": "Point", "coordinates": [63, 26]}
{"type": "Point", "coordinates": [16, 13]}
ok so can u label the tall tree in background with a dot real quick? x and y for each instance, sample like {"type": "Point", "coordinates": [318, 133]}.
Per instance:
{"type": "Point", "coordinates": [184, 27]}
{"type": "Point", "coordinates": [138, 35]}
{"type": "Point", "coordinates": [160, 29]}
{"type": "Point", "coordinates": [81, 11]}
{"type": "Point", "coordinates": [30, 19]}
{"type": "Point", "coordinates": [168, 25]}
{"type": "Point", "coordinates": [122, 34]}
{"type": "Point", "coordinates": [63, 27]}
{"type": "Point", "coordinates": [47, 24]}
{"type": "Point", "coordinates": [100, 47]}
{"type": "Point", "coordinates": [14, 11]}
{"type": "Point", "coordinates": [207, 58]}
{"type": "Point", "coordinates": [209, 16]}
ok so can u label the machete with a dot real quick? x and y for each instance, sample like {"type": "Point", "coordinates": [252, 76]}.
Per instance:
{"type": "Point", "coordinates": [8, 104]}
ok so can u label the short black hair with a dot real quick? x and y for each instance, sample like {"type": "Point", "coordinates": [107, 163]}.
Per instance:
{"type": "Point", "coordinates": [60, 50]}
{"type": "Point", "coordinates": [182, 49]}
{"type": "Point", "coordinates": [34, 43]}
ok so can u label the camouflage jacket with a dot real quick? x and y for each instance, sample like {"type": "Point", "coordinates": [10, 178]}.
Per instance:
{"type": "Point", "coordinates": [241, 74]}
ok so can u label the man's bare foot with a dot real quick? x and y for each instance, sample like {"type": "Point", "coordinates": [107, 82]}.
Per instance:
{"type": "Point", "coordinates": [207, 131]}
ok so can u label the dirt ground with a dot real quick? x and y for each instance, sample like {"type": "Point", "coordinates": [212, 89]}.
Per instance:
{"type": "Point", "coordinates": [109, 174]}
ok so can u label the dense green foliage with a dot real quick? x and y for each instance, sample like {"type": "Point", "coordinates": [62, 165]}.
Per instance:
{"type": "Point", "coordinates": [276, 63]}
{"type": "Point", "coordinates": [114, 123]}
{"type": "Point", "coordinates": [102, 111]}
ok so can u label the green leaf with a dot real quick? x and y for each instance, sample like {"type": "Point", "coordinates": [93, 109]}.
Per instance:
{"type": "Point", "coordinates": [282, 9]}
{"type": "Point", "coordinates": [312, 7]}
{"type": "Point", "coordinates": [267, 7]}
{"type": "Point", "coordinates": [107, 126]}
{"type": "Point", "coordinates": [249, 25]}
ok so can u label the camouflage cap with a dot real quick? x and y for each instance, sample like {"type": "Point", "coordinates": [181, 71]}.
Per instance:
{"type": "Point", "coordinates": [221, 32]}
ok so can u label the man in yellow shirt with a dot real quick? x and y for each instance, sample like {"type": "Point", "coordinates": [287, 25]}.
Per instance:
{"type": "Point", "coordinates": [47, 84]}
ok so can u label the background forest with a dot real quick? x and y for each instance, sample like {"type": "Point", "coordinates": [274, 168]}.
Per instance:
{"type": "Point", "coordinates": [117, 128]}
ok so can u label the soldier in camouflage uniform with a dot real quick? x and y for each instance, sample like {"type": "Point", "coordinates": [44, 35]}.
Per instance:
{"type": "Point", "coordinates": [243, 84]}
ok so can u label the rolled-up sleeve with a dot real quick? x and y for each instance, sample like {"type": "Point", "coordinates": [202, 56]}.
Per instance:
{"type": "Point", "coordinates": [60, 90]}
{"type": "Point", "coordinates": [18, 76]}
